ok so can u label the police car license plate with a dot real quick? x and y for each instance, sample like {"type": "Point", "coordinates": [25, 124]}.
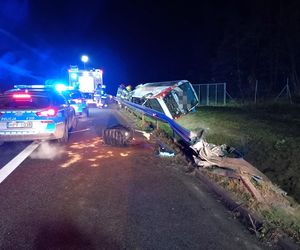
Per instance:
{"type": "Point", "coordinates": [26, 124]}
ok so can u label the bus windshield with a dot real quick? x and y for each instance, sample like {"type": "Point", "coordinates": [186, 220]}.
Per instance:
{"type": "Point", "coordinates": [189, 99]}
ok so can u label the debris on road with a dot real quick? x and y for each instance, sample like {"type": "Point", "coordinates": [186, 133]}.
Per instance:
{"type": "Point", "coordinates": [145, 134]}
{"type": "Point", "coordinates": [166, 154]}
{"type": "Point", "coordinates": [164, 151]}
{"type": "Point", "coordinates": [118, 135]}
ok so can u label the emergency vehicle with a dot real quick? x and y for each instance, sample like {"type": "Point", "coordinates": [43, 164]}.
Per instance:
{"type": "Point", "coordinates": [86, 81]}
{"type": "Point", "coordinates": [35, 112]}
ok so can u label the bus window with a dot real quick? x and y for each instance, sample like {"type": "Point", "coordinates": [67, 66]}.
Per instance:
{"type": "Point", "coordinates": [137, 100]}
{"type": "Point", "coordinates": [154, 104]}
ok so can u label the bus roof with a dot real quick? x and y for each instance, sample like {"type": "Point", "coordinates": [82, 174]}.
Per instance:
{"type": "Point", "coordinates": [155, 87]}
{"type": "Point", "coordinates": [166, 83]}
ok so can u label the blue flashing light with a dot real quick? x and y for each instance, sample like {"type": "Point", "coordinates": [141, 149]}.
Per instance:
{"type": "Point", "coordinates": [60, 87]}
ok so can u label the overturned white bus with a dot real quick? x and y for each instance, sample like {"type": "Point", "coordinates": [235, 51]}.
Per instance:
{"type": "Point", "coordinates": [173, 98]}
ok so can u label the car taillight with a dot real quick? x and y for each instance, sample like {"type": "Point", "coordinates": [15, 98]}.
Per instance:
{"type": "Point", "coordinates": [22, 96]}
{"type": "Point", "coordinates": [50, 112]}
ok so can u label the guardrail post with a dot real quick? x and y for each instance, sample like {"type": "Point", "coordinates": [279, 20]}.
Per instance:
{"type": "Point", "coordinates": [157, 124]}
{"type": "Point", "coordinates": [174, 135]}
{"type": "Point", "coordinates": [143, 119]}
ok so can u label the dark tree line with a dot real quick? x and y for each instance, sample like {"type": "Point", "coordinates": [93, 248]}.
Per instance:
{"type": "Point", "coordinates": [260, 43]}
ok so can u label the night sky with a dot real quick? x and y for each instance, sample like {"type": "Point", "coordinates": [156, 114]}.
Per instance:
{"type": "Point", "coordinates": [132, 41]}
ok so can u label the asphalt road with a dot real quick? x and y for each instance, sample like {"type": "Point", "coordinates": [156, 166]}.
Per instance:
{"type": "Point", "coordinates": [86, 195]}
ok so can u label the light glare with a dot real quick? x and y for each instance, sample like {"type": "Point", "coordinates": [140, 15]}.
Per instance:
{"type": "Point", "coordinates": [84, 58]}
{"type": "Point", "coordinates": [74, 76]}
{"type": "Point", "coordinates": [60, 87]}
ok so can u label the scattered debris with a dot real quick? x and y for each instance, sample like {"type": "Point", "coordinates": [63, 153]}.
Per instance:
{"type": "Point", "coordinates": [145, 134]}
{"type": "Point", "coordinates": [226, 161]}
{"type": "Point", "coordinates": [164, 151]}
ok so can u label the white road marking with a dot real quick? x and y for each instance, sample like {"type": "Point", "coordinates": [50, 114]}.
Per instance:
{"type": "Point", "coordinates": [15, 162]}
{"type": "Point", "coordinates": [78, 131]}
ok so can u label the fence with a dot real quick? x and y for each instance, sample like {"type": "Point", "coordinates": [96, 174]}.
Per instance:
{"type": "Point", "coordinates": [211, 93]}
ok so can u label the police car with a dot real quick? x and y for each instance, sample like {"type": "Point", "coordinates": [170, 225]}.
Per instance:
{"type": "Point", "coordinates": [77, 101]}
{"type": "Point", "coordinates": [89, 99]}
{"type": "Point", "coordinates": [33, 112]}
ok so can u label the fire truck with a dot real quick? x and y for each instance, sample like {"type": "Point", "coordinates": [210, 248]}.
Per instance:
{"type": "Point", "coordinates": [88, 82]}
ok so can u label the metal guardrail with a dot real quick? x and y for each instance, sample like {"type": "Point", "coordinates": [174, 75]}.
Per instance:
{"type": "Point", "coordinates": [183, 133]}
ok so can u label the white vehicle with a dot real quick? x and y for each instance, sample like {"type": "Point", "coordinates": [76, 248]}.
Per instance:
{"type": "Point", "coordinates": [173, 98]}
